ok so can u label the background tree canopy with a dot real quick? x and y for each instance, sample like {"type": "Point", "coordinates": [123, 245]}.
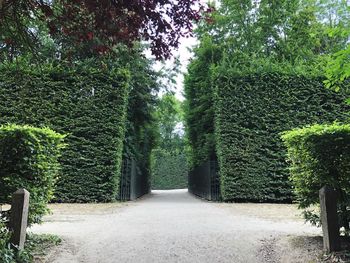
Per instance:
{"type": "Point", "coordinates": [94, 27]}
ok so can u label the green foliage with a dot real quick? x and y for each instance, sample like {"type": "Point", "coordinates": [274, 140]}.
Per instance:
{"type": "Point", "coordinates": [36, 246]}
{"type": "Point", "coordinates": [86, 102]}
{"type": "Point", "coordinates": [285, 30]}
{"type": "Point", "coordinates": [170, 116]}
{"type": "Point", "coordinates": [169, 170]}
{"type": "Point", "coordinates": [6, 253]}
{"type": "Point", "coordinates": [338, 68]}
{"type": "Point", "coordinates": [320, 155]}
{"type": "Point", "coordinates": [169, 164]}
{"type": "Point", "coordinates": [29, 159]}
{"type": "Point", "coordinates": [251, 111]}
{"type": "Point", "coordinates": [199, 105]}
{"type": "Point", "coordinates": [267, 59]}
{"type": "Point", "coordinates": [141, 124]}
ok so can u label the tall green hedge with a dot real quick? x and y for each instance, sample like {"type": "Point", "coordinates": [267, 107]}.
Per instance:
{"type": "Point", "coordinates": [88, 104]}
{"type": "Point", "coordinates": [169, 170]}
{"type": "Point", "coordinates": [251, 111]}
{"type": "Point", "coordinates": [199, 104]}
{"type": "Point", "coordinates": [29, 159]}
{"type": "Point", "coordinates": [319, 155]}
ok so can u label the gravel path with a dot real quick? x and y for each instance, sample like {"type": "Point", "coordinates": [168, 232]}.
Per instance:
{"type": "Point", "coordinates": [174, 226]}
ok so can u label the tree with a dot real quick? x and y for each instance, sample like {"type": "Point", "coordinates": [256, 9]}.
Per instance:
{"type": "Point", "coordinates": [169, 114]}
{"type": "Point", "coordinates": [96, 26]}
{"type": "Point", "coordinates": [286, 30]}
{"type": "Point", "coordinates": [338, 68]}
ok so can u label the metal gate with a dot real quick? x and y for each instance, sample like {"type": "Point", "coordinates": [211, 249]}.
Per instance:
{"type": "Point", "coordinates": [133, 182]}
{"type": "Point", "coordinates": [204, 181]}
{"type": "Point", "coordinates": [125, 180]}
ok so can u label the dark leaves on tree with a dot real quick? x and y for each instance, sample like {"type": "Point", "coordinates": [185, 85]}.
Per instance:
{"type": "Point", "coordinates": [94, 24]}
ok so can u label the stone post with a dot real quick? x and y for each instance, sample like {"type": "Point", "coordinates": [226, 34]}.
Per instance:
{"type": "Point", "coordinates": [329, 219]}
{"type": "Point", "coordinates": [19, 217]}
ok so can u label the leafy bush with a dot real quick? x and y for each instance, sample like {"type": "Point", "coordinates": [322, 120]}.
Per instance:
{"type": "Point", "coordinates": [6, 253]}
{"type": "Point", "coordinates": [169, 170]}
{"type": "Point", "coordinates": [35, 248]}
{"type": "Point", "coordinates": [251, 111]}
{"type": "Point", "coordinates": [320, 155]}
{"type": "Point", "coordinates": [29, 159]}
{"type": "Point", "coordinates": [86, 102]}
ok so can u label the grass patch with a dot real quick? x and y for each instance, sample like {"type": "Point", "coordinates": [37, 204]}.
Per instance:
{"type": "Point", "coordinates": [37, 247]}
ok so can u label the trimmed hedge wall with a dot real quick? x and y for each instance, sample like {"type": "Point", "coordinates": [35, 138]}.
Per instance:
{"type": "Point", "coordinates": [251, 111]}
{"type": "Point", "coordinates": [29, 159]}
{"type": "Point", "coordinates": [199, 104]}
{"type": "Point", "coordinates": [320, 155]}
{"type": "Point", "coordinates": [169, 170]}
{"type": "Point", "coordinates": [88, 104]}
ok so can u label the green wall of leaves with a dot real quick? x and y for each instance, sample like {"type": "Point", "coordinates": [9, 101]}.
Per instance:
{"type": "Point", "coordinates": [169, 170]}
{"type": "Point", "coordinates": [251, 112]}
{"type": "Point", "coordinates": [29, 159]}
{"type": "Point", "coordinates": [86, 103]}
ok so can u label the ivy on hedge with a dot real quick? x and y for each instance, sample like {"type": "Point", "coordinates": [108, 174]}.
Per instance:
{"type": "Point", "coordinates": [88, 104]}
{"type": "Point", "coordinates": [29, 159]}
{"type": "Point", "coordinates": [320, 155]}
{"type": "Point", "coordinates": [169, 170]}
{"type": "Point", "coordinates": [251, 111]}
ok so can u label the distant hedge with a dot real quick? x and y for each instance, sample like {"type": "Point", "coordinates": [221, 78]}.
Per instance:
{"type": "Point", "coordinates": [251, 111]}
{"type": "Point", "coordinates": [169, 170]}
{"type": "Point", "coordinates": [88, 104]}
{"type": "Point", "coordinates": [320, 155]}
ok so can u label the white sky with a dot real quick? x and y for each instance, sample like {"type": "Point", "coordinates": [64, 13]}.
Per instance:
{"type": "Point", "coordinates": [184, 55]}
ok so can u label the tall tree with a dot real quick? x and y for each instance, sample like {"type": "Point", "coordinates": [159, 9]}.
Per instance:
{"type": "Point", "coordinates": [289, 30]}
{"type": "Point", "coordinates": [96, 26]}
{"type": "Point", "coordinates": [169, 114]}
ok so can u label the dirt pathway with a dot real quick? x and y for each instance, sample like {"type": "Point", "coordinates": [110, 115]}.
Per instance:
{"type": "Point", "coordinates": [174, 226]}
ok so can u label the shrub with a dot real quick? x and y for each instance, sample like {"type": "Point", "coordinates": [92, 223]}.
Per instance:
{"type": "Point", "coordinates": [320, 155]}
{"type": "Point", "coordinates": [6, 253]}
{"type": "Point", "coordinates": [29, 159]}
{"type": "Point", "coordinates": [87, 103]}
{"type": "Point", "coordinates": [169, 170]}
{"type": "Point", "coordinates": [251, 111]}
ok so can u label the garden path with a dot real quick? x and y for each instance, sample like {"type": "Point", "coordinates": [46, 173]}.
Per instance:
{"type": "Point", "coordinates": [174, 226]}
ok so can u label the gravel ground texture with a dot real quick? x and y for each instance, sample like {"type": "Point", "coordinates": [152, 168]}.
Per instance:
{"type": "Point", "coordinates": [174, 226]}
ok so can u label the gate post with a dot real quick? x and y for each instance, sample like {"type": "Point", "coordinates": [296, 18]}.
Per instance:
{"type": "Point", "coordinates": [329, 219]}
{"type": "Point", "coordinates": [19, 218]}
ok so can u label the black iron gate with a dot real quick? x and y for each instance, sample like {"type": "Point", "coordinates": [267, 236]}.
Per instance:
{"type": "Point", "coordinates": [125, 179]}
{"type": "Point", "coordinates": [133, 182]}
{"type": "Point", "coordinates": [204, 181]}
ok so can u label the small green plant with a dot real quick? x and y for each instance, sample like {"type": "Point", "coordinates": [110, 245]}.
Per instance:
{"type": "Point", "coordinates": [6, 253]}
{"type": "Point", "coordinates": [320, 155]}
{"type": "Point", "coordinates": [36, 247]}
